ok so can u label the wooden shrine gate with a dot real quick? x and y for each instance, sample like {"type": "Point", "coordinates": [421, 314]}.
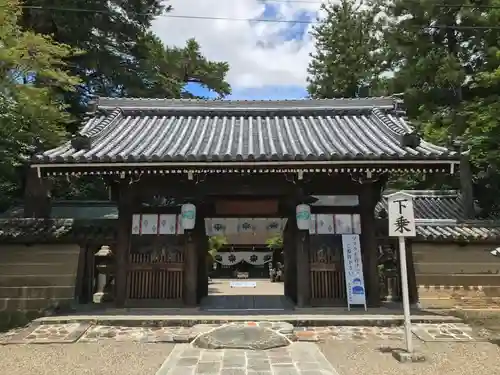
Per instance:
{"type": "Point", "coordinates": [155, 270]}
{"type": "Point", "coordinates": [327, 271]}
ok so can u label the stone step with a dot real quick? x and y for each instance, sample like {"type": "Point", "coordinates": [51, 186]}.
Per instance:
{"type": "Point", "coordinates": [153, 318]}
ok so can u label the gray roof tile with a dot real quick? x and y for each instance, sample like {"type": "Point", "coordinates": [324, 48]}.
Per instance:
{"type": "Point", "coordinates": [185, 130]}
{"type": "Point", "coordinates": [430, 204]}
{"type": "Point", "coordinates": [452, 230]}
{"type": "Point", "coordinates": [439, 215]}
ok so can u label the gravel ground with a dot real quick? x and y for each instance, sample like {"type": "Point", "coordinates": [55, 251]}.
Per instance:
{"type": "Point", "coordinates": [365, 358]}
{"type": "Point", "coordinates": [113, 358]}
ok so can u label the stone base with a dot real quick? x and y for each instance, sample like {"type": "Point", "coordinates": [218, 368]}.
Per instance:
{"type": "Point", "coordinates": [101, 297]}
{"type": "Point", "coordinates": [404, 357]}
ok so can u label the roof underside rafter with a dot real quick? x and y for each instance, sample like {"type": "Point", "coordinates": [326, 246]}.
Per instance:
{"type": "Point", "coordinates": [178, 134]}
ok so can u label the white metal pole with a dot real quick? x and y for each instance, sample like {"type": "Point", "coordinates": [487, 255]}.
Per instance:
{"type": "Point", "coordinates": [406, 297]}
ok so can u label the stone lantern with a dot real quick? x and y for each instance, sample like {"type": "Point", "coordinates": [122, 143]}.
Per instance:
{"type": "Point", "coordinates": [105, 268]}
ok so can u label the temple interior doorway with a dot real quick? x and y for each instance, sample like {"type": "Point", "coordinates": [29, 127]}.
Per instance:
{"type": "Point", "coordinates": [246, 272]}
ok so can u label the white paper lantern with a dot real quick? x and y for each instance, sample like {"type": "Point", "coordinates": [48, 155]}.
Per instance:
{"type": "Point", "coordinates": [188, 216]}
{"type": "Point", "coordinates": [303, 215]}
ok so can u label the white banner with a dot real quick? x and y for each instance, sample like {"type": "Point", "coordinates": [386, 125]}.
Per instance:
{"type": "Point", "coordinates": [353, 268]}
{"type": "Point", "coordinates": [235, 257]}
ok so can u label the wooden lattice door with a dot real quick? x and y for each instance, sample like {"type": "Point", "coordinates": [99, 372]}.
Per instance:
{"type": "Point", "coordinates": [327, 271]}
{"type": "Point", "coordinates": [155, 270]}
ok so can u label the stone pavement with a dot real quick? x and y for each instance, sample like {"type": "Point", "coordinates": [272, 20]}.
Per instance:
{"type": "Point", "coordinates": [85, 332]}
{"type": "Point", "coordinates": [296, 359]}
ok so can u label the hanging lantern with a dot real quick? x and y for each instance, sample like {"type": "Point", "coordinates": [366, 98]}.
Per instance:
{"type": "Point", "coordinates": [188, 216]}
{"type": "Point", "coordinates": [303, 215]}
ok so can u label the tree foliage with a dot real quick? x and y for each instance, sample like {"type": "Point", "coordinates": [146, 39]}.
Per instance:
{"type": "Point", "coordinates": [442, 57]}
{"type": "Point", "coordinates": [275, 242]}
{"type": "Point", "coordinates": [122, 57]}
{"type": "Point", "coordinates": [348, 55]}
{"type": "Point", "coordinates": [30, 113]}
{"type": "Point", "coordinates": [55, 56]}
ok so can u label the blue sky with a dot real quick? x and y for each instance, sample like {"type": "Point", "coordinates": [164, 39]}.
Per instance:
{"type": "Point", "coordinates": [267, 60]}
{"type": "Point", "coordinates": [267, 92]}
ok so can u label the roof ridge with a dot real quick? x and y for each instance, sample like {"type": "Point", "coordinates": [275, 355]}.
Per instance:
{"type": "Point", "coordinates": [390, 124]}
{"type": "Point", "coordinates": [426, 193]}
{"type": "Point", "coordinates": [101, 126]}
{"type": "Point", "coordinates": [387, 103]}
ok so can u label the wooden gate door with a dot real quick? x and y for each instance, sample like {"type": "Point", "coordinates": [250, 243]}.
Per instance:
{"type": "Point", "coordinates": [155, 271]}
{"type": "Point", "coordinates": [327, 271]}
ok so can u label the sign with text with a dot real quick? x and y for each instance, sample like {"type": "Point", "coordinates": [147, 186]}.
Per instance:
{"type": "Point", "coordinates": [401, 215]}
{"type": "Point", "coordinates": [353, 267]}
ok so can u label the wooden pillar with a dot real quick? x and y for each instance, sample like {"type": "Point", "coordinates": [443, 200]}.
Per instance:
{"type": "Point", "coordinates": [37, 198]}
{"type": "Point", "coordinates": [302, 244]}
{"type": "Point", "coordinates": [290, 258]}
{"type": "Point", "coordinates": [412, 278]}
{"type": "Point", "coordinates": [202, 251]}
{"type": "Point", "coordinates": [191, 262]}
{"type": "Point", "coordinates": [466, 186]}
{"type": "Point", "coordinates": [125, 209]}
{"type": "Point", "coordinates": [369, 244]}
{"type": "Point", "coordinates": [81, 274]}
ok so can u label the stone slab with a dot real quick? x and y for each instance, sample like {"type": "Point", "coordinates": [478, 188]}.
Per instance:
{"type": "Point", "coordinates": [241, 336]}
{"type": "Point", "coordinates": [405, 357]}
{"type": "Point", "coordinates": [448, 332]}
{"type": "Point", "coordinates": [47, 334]}
{"type": "Point", "coordinates": [296, 359]}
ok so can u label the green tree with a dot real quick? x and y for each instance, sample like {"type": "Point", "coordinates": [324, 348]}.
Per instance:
{"type": "Point", "coordinates": [444, 57]}
{"type": "Point", "coordinates": [215, 243]}
{"type": "Point", "coordinates": [122, 57]}
{"type": "Point", "coordinates": [30, 114]}
{"type": "Point", "coordinates": [275, 242]}
{"type": "Point", "coordinates": [482, 115]}
{"type": "Point", "coordinates": [349, 59]}
{"type": "Point", "coordinates": [165, 71]}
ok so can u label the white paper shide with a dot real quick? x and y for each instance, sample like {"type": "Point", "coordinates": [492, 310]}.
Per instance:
{"type": "Point", "coordinates": [353, 267]}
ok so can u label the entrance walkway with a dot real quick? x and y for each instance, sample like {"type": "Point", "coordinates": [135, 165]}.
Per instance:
{"type": "Point", "coordinates": [297, 359]}
{"type": "Point", "coordinates": [265, 296]}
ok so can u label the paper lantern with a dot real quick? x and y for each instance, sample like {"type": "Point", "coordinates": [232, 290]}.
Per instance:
{"type": "Point", "coordinates": [303, 215]}
{"type": "Point", "coordinates": [188, 216]}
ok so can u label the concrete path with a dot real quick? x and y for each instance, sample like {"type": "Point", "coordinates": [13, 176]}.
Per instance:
{"type": "Point", "coordinates": [296, 359]}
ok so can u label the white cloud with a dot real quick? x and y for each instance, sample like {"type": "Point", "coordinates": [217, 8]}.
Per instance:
{"type": "Point", "coordinates": [257, 52]}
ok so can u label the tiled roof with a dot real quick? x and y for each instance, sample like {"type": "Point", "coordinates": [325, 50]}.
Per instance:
{"type": "Point", "coordinates": [432, 204]}
{"type": "Point", "coordinates": [439, 215]}
{"type": "Point", "coordinates": [141, 130]}
{"type": "Point", "coordinates": [453, 230]}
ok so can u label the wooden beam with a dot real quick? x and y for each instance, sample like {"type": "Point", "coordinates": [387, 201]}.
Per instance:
{"type": "Point", "coordinates": [190, 293]}
{"type": "Point", "coordinates": [369, 244]}
{"type": "Point", "coordinates": [37, 198]}
{"type": "Point", "coordinates": [202, 252]}
{"type": "Point", "coordinates": [412, 278]}
{"type": "Point", "coordinates": [302, 243]}
{"type": "Point", "coordinates": [124, 231]}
